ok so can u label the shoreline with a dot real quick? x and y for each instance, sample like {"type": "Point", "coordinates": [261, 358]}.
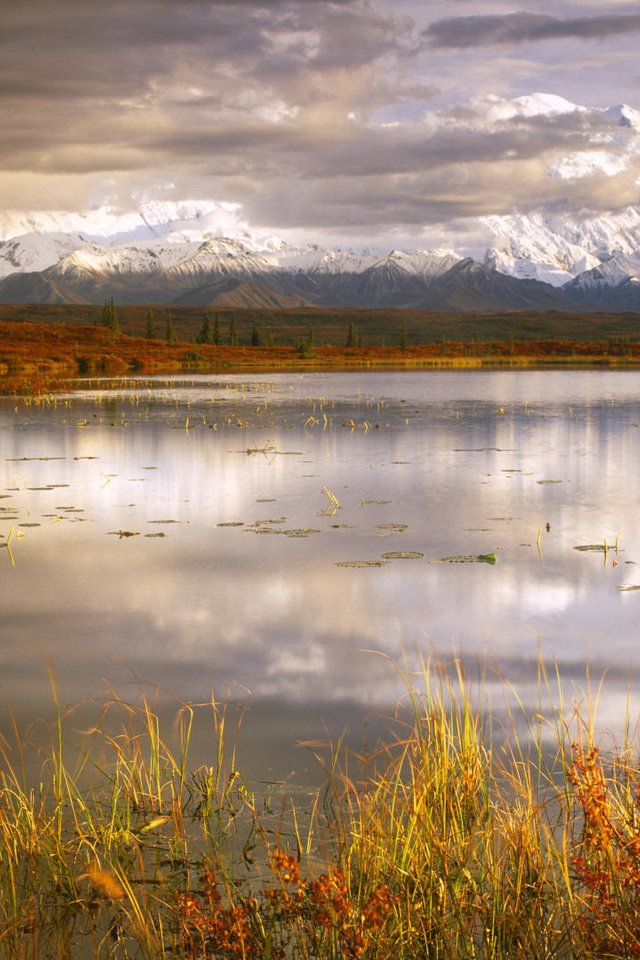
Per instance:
{"type": "Point", "coordinates": [40, 358]}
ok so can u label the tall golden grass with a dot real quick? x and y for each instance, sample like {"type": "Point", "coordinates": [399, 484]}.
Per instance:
{"type": "Point", "coordinates": [450, 841]}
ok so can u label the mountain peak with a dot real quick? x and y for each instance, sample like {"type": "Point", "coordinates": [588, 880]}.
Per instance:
{"type": "Point", "coordinates": [545, 104]}
{"type": "Point", "coordinates": [624, 115]}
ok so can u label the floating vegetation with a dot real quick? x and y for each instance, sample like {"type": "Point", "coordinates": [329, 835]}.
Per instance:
{"type": "Point", "coordinates": [268, 449]}
{"type": "Point", "coordinates": [469, 558]}
{"type": "Point", "coordinates": [266, 523]}
{"type": "Point", "coordinates": [123, 533]}
{"type": "Point", "coordinates": [265, 500]}
{"type": "Point", "coordinates": [149, 536]}
{"type": "Point", "coordinates": [549, 481]}
{"type": "Point", "coordinates": [28, 459]}
{"type": "Point", "coordinates": [361, 563]}
{"type": "Point", "coordinates": [49, 486]}
{"type": "Point", "coordinates": [164, 521]}
{"type": "Point", "coordinates": [300, 532]}
{"type": "Point", "coordinates": [592, 547]}
{"type": "Point", "coordinates": [230, 523]}
{"type": "Point", "coordinates": [403, 555]}
{"type": "Point", "coordinates": [385, 528]}
{"type": "Point", "coordinates": [628, 587]}
{"type": "Point", "coordinates": [364, 501]}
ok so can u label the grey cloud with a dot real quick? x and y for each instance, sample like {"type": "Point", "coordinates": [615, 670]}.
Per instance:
{"type": "Point", "coordinates": [521, 27]}
{"type": "Point", "coordinates": [273, 105]}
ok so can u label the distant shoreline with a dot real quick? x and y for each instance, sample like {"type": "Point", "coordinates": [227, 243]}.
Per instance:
{"type": "Point", "coordinates": [41, 357]}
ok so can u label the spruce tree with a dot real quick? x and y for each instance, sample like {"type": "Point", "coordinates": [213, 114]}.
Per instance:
{"type": "Point", "coordinates": [217, 335]}
{"type": "Point", "coordinates": [256, 339]}
{"type": "Point", "coordinates": [171, 330]}
{"type": "Point", "coordinates": [353, 337]}
{"type": "Point", "coordinates": [233, 336]}
{"type": "Point", "coordinates": [150, 332]}
{"type": "Point", "coordinates": [110, 318]}
{"type": "Point", "coordinates": [205, 330]}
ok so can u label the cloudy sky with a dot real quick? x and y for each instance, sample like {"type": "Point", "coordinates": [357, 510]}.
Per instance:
{"type": "Point", "coordinates": [350, 119]}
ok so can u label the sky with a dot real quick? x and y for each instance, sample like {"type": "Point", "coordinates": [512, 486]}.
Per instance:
{"type": "Point", "coordinates": [349, 120]}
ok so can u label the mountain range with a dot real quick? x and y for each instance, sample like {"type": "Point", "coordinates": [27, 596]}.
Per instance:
{"type": "Point", "coordinates": [198, 253]}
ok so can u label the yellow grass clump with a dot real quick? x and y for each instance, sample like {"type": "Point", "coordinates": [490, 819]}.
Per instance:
{"type": "Point", "coordinates": [451, 840]}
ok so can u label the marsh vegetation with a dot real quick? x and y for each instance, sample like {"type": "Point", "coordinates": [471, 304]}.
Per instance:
{"type": "Point", "coordinates": [450, 840]}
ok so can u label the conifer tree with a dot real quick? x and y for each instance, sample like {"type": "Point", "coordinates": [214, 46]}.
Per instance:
{"type": "Point", "coordinates": [110, 318]}
{"type": "Point", "coordinates": [150, 332]}
{"type": "Point", "coordinates": [353, 337]}
{"type": "Point", "coordinates": [171, 330]}
{"type": "Point", "coordinates": [256, 339]}
{"type": "Point", "coordinates": [233, 336]}
{"type": "Point", "coordinates": [205, 330]}
{"type": "Point", "coordinates": [217, 335]}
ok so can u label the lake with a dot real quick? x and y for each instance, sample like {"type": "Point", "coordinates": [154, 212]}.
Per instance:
{"type": "Point", "coordinates": [281, 539]}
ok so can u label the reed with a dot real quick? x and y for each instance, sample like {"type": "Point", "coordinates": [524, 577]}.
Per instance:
{"type": "Point", "coordinates": [452, 840]}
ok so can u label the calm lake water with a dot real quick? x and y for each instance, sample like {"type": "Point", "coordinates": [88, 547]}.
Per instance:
{"type": "Point", "coordinates": [181, 537]}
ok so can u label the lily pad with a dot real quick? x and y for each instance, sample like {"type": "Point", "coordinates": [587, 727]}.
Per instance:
{"type": "Point", "coordinates": [594, 547]}
{"type": "Point", "coordinates": [469, 558]}
{"type": "Point", "coordinates": [385, 528]}
{"type": "Point", "coordinates": [360, 563]}
{"type": "Point", "coordinates": [403, 555]}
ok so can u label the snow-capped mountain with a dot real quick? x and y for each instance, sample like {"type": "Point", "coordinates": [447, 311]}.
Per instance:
{"type": "Point", "coordinates": [198, 251]}
{"type": "Point", "coordinates": [35, 251]}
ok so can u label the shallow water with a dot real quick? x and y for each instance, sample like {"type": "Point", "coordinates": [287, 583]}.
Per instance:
{"type": "Point", "coordinates": [178, 537]}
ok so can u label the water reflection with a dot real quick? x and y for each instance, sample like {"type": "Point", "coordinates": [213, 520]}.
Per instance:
{"type": "Point", "coordinates": [182, 536]}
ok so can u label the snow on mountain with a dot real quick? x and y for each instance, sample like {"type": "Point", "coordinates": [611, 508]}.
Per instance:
{"type": "Point", "coordinates": [612, 273]}
{"type": "Point", "coordinates": [223, 257]}
{"type": "Point", "coordinates": [624, 115]}
{"type": "Point", "coordinates": [496, 110]}
{"type": "Point", "coordinates": [122, 260]}
{"type": "Point", "coordinates": [33, 252]}
{"type": "Point", "coordinates": [530, 247]}
{"type": "Point", "coordinates": [544, 104]}
{"type": "Point", "coordinates": [555, 248]}
{"type": "Point", "coordinates": [172, 221]}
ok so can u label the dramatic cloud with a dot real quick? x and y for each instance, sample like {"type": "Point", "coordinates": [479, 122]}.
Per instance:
{"type": "Point", "coordinates": [314, 115]}
{"type": "Point", "coordinates": [525, 27]}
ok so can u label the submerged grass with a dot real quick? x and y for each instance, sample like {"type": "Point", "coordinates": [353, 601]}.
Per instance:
{"type": "Point", "coordinates": [450, 841]}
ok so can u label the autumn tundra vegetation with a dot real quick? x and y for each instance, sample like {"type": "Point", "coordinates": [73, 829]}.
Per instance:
{"type": "Point", "coordinates": [450, 839]}
{"type": "Point", "coordinates": [43, 345]}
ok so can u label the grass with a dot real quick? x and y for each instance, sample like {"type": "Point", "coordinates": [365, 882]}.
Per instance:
{"type": "Point", "coordinates": [449, 841]}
